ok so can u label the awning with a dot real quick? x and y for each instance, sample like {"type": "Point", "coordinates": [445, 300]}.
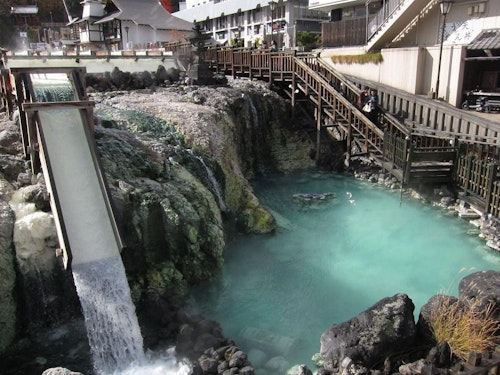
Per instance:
{"type": "Point", "coordinates": [488, 39]}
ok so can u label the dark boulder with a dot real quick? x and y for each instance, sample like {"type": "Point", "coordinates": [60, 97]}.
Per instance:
{"type": "Point", "coordinates": [481, 288]}
{"type": "Point", "coordinates": [373, 335]}
{"type": "Point", "coordinates": [423, 325]}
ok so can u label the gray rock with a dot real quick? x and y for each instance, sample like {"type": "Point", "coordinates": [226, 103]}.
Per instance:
{"type": "Point", "coordinates": [9, 138]}
{"type": "Point", "coordinates": [60, 371]}
{"type": "Point", "coordinates": [371, 336]}
{"type": "Point", "coordinates": [238, 359]}
{"type": "Point", "coordinates": [423, 326]}
{"type": "Point", "coordinates": [440, 355]}
{"type": "Point", "coordinates": [208, 365]}
{"type": "Point", "coordinates": [481, 288]}
{"type": "Point", "coordinates": [247, 370]}
{"type": "Point", "coordinates": [7, 276]}
{"type": "Point", "coordinates": [161, 75]}
{"type": "Point", "coordinates": [173, 74]}
{"type": "Point", "coordinates": [412, 368]}
{"type": "Point", "coordinates": [299, 370]}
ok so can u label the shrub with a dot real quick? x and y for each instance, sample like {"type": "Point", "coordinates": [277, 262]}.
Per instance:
{"type": "Point", "coordinates": [374, 58]}
{"type": "Point", "coordinates": [308, 40]}
{"type": "Point", "coordinates": [466, 327]}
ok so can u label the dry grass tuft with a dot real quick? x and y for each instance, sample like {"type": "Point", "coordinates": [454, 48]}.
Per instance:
{"type": "Point", "coordinates": [374, 58]}
{"type": "Point", "coordinates": [466, 327]}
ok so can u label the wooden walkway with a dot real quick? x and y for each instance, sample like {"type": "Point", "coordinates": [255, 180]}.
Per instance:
{"type": "Point", "coordinates": [451, 147]}
{"type": "Point", "coordinates": [416, 141]}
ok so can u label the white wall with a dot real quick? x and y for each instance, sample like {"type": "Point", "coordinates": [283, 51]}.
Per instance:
{"type": "Point", "coordinates": [413, 70]}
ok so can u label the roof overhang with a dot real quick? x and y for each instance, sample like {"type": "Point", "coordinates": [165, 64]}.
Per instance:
{"type": "Point", "coordinates": [328, 5]}
{"type": "Point", "coordinates": [487, 40]}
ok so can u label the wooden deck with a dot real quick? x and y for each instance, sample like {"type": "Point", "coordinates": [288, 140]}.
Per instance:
{"type": "Point", "coordinates": [415, 152]}
{"type": "Point", "coordinates": [418, 142]}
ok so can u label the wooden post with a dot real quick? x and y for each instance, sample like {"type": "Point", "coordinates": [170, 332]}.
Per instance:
{"type": "Point", "coordinates": [407, 169]}
{"type": "Point", "coordinates": [23, 126]}
{"type": "Point", "coordinates": [7, 96]}
{"type": "Point", "coordinates": [394, 147]}
{"type": "Point", "coordinates": [349, 137]}
{"type": "Point", "coordinates": [233, 71]}
{"type": "Point", "coordinates": [270, 57]}
{"type": "Point", "coordinates": [491, 175]}
{"type": "Point", "coordinates": [318, 126]}
{"type": "Point", "coordinates": [468, 168]}
{"type": "Point", "coordinates": [294, 87]}
{"type": "Point", "coordinates": [384, 144]}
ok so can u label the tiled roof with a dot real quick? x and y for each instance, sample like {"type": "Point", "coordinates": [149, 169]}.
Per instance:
{"type": "Point", "coordinates": [488, 39]}
{"type": "Point", "coordinates": [147, 12]}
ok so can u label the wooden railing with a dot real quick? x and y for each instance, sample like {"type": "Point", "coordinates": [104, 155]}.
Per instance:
{"type": "Point", "coordinates": [435, 118]}
{"type": "Point", "coordinates": [412, 152]}
{"type": "Point", "coordinates": [480, 181]}
{"type": "Point", "coordinates": [402, 145]}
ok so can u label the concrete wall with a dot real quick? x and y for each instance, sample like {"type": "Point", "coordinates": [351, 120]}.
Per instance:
{"type": "Point", "coordinates": [98, 64]}
{"type": "Point", "coordinates": [412, 69]}
{"type": "Point", "coordinates": [412, 63]}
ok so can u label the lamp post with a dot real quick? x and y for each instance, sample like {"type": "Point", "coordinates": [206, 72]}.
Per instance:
{"type": "Point", "coordinates": [126, 31]}
{"type": "Point", "coordinates": [444, 6]}
{"type": "Point", "coordinates": [272, 5]}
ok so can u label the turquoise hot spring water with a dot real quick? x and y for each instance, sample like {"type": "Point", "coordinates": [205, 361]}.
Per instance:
{"type": "Point", "coordinates": [331, 259]}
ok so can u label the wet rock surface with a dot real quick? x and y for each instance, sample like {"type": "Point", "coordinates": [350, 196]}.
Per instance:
{"type": "Point", "coordinates": [177, 162]}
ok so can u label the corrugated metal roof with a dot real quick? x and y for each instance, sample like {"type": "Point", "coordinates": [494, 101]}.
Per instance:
{"type": "Point", "coordinates": [488, 39]}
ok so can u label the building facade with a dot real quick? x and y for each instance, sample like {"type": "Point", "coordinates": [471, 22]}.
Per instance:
{"type": "Point", "coordinates": [444, 55]}
{"type": "Point", "coordinates": [127, 24]}
{"type": "Point", "coordinates": [253, 21]}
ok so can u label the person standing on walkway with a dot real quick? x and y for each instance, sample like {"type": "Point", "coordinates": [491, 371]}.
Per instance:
{"type": "Point", "coordinates": [372, 101]}
{"type": "Point", "coordinates": [363, 97]}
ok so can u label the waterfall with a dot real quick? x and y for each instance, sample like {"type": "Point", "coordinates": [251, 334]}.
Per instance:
{"type": "Point", "coordinates": [113, 330]}
{"type": "Point", "coordinates": [52, 87]}
{"type": "Point", "coordinates": [51, 93]}
{"type": "Point", "coordinates": [112, 327]}
{"type": "Point", "coordinates": [256, 136]}
{"type": "Point", "coordinates": [215, 186]}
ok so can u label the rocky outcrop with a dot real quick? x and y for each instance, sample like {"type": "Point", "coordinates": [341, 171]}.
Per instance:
{"type": "Point", "coordinates": [7, 273]}
{"type": "Point", "coordinates": [240, 132]}
{"type": "Point", "coordinates": [177, 162]}
{"type": "Point", "coordinates": [372, 335]}
{"type": "Point", "coordinates": [481, 288]}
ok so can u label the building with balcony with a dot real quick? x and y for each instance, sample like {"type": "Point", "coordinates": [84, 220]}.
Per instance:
{"type": "Point", "coordinates": [253, 21]}
{"type": "Point", "coordinates": [127, 24]}
{"type": "Point", "coordinates": [424, 50]}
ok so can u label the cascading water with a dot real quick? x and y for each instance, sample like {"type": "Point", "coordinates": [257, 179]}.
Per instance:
{"type": "Point", "coordinates": [216, 188]}
{"type": "Point", "coordinates": [112, 328]}
{"type": "Point", "coordinates": [54, 87]}
{"type": "Point", "coordinates": [255, 119]}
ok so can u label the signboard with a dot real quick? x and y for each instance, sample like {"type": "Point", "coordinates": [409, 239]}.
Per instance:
{"type": "Point", "coordinates": [23, 34]}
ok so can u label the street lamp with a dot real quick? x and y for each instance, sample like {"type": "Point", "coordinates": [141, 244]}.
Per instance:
{"type": "Point", "coordinates": [126, 31]}
{"type": "Point", "coordinates": [444, 6]}
{"type": "Point", "coordinates": [272, 5]}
